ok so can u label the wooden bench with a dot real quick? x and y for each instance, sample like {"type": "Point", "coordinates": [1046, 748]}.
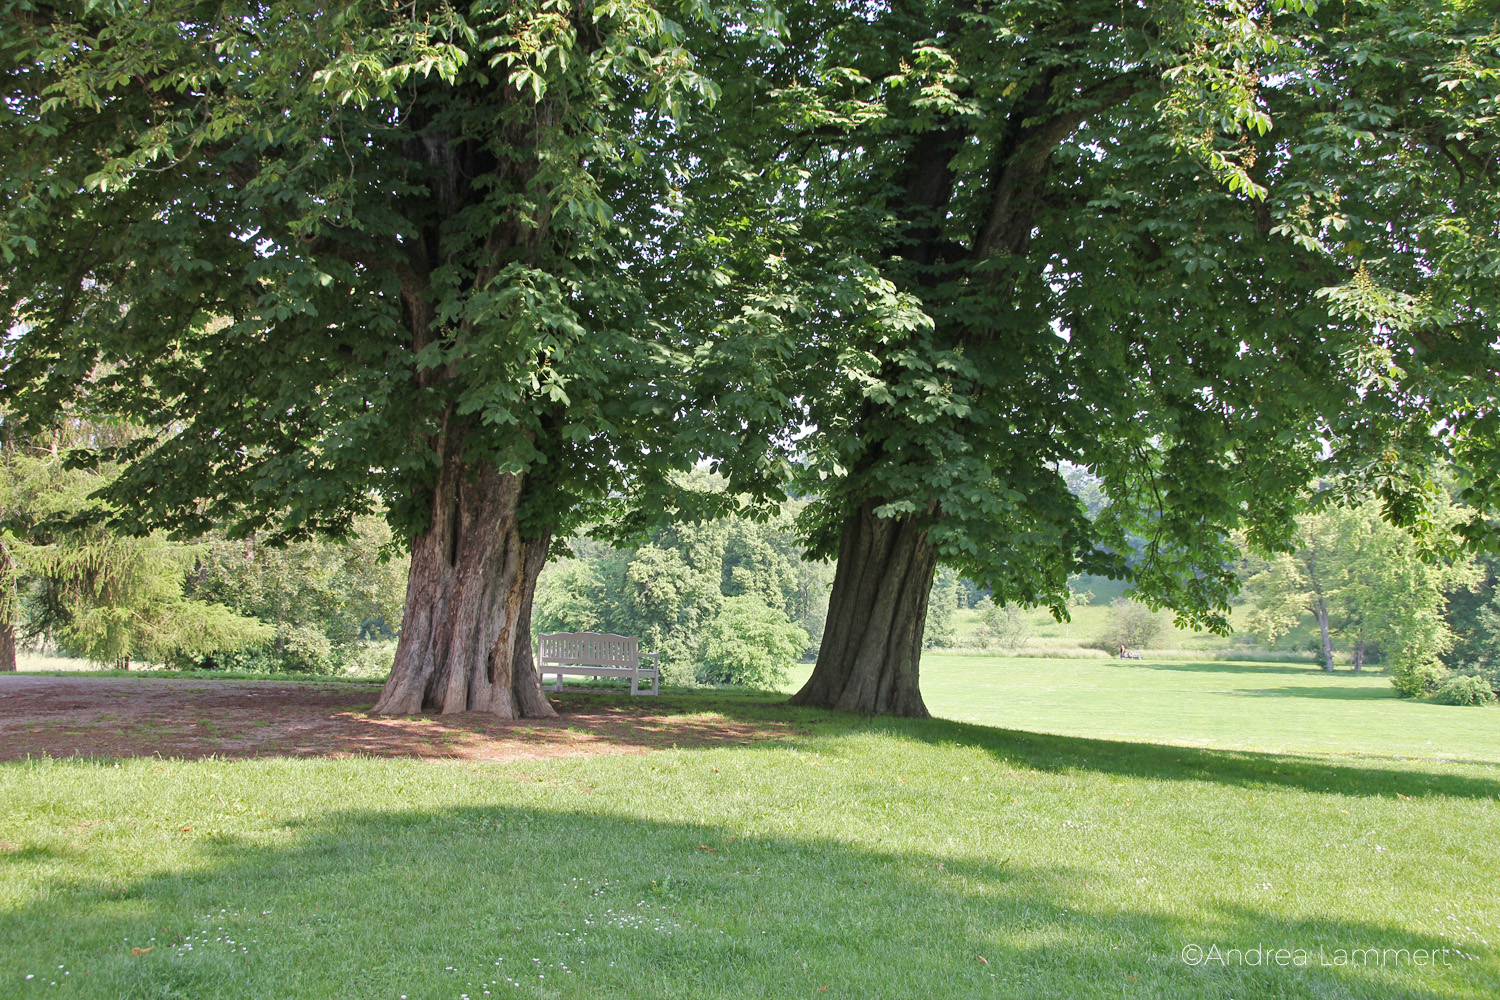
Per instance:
{"type": "Point", "coordinates": [596, 654]}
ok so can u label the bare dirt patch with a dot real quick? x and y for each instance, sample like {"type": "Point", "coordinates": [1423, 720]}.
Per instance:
{"type": "Point", "coordinates": [149, 717]}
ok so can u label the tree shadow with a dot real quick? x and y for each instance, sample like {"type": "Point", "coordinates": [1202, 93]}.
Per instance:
{"type": "Point", "coordinates": [225, 721]}
{"type": "Point", "coordinates": [190, 720]}
{"type": "Point", "coordinates": [1334, 693]}
{"type": "Point", "coordinates": [1245, 768]}
{"type": "Point", "coordinates": [1251, 769]}
{"type": "Point", "coordinates": [1228, 667]}
{"type": "Point", "coordinates": [509, 901]}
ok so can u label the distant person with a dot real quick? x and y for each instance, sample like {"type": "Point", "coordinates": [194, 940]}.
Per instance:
{"type": "Point", "coordinates": [1122, 651]}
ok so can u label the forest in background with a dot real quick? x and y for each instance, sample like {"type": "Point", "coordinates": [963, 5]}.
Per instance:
{"type": "Point", "coordinates": [727, 600]}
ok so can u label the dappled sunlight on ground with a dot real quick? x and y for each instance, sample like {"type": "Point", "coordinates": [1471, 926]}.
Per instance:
{"type": "Point", "coordinates": [144, 717]}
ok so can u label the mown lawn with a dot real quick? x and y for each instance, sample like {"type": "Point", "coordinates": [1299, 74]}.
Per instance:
{"type": "Point", "coordinates": [1253, 706]}
{"type": "Point", "coordinates": [857, 859]}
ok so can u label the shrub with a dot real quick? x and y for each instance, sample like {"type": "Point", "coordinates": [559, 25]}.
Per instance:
{"type": "Point", "coordinates": [1413, 678]}
{"type": "Point", "coordinates": [676, 656]}
{"type": "Point", "coordinates": [1464, 689]}
{"type": "Point", "coordinates": [1487, 670]}
{"type": "Point", "coordinates": [942, 603]}
{"type": "Point", "coordinates": [302, 649]}
{"type": "Point", "coordinates": [305, 649]}
{"type": "Point", "coordinates": [366, 659]}
{"type": "Point", "coordinates": [1131, 625]}
{"type": "Point", "coordinates": [983, 637]}
{"type": "Point", "coordinates": [1004, 625]}
{"type": "Point", "coordinates": [749, 642]}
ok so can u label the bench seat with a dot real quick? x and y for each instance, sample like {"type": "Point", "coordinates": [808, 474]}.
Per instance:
{"type": "Point", "coordinates": [597, 654]}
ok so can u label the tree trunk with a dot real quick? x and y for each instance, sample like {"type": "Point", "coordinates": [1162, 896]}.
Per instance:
{"type": "Point", "coordinates": [1320, 609]}
{"type": "Point", "coordinates": [466, 631]}
{"type": "Point", "coordinates": [1359, 656]}
{"type": "Point", "coordinates": [872, 641]}
{"type": "Point", "coordinates": [7, 612]}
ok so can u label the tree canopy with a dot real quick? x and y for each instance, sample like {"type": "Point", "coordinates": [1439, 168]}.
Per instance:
{"type": "Point", "coordinates": [1209, 252]}
{"type": "Point", "coordinates": [361, 255]}
{"type": "Point", "coordinates": [499, 267]}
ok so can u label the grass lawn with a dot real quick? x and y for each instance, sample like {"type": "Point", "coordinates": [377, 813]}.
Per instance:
{"type": "Point", "coordinates": [856, 858]}
{"type": "Point", "coordinates": [1284, 707]}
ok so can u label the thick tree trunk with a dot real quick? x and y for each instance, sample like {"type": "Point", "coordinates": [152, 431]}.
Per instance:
{"type": "Point", "coordinates": [466, 631]}
{"type": "Point", "coordinates": [872, 641]}
{"type": "Point", "coordinates": [1359, 656]}
{"type": "Point", "coordinates": [7, 647]}
{"type": "Point", "coordinates": [1321, 611]}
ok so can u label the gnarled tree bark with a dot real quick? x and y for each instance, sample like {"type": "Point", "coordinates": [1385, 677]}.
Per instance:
{"type": "Point", "coordinates": [466, 631]}
{"type": "Point", "coordinates": [872, 642]}
{"type": "Point", "coordinates": [878, 606]}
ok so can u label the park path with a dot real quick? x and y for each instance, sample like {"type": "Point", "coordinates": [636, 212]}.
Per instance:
{"type": "Point", "coordinates": [191, 719]}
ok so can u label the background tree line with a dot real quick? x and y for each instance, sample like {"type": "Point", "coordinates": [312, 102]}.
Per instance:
{"type": "Point", "coordinates": [71, 583]}
{"type": "Point", "coordinates": [729, 599]}
{"type": "Point", "coordinates": [1414, 601]}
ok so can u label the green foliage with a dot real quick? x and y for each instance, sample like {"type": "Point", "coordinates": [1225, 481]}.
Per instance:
{"type": "Point", "coordinates": [1279, 589]}
{"type": "Point", "coordinates": [1480, 648]}
{"type": "Point", "coordinates": [750, 643]}
{"type": "Point", "coordinates": [304, 247]}
{"type": "Point", "coordinates": [94, 593]}
{"type": "Point", "coordinates": [1464, 689]}
{"type": "Point", "coordinates": [1377, 585]}
{"type": "Point", "coordinates": [1472, 615]}
{"type": "Point", "coordinates": [670, 590]}
{"type": "Point", "coordinates": [1414, 677]}
{"type": "Point", "coordinates": [327, 600]}
{"type": "Point", "coordinates": [122, 599]}
{"type": "Point", "coordinates": [566, 596]}
{"type": "Point", "coordinates": [1130, 624]}
{"type": "Point", "coordinates": [1002, 625]}
{"type": "Point", "coordinates": [1207, 255]}
{"type": "Point", "coordinates": [942, 603]}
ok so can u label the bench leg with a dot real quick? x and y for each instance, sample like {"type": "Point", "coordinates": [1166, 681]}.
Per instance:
{"type": "Point", "coordinates": [635, 684]}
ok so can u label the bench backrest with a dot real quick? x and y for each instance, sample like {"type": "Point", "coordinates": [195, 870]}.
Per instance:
{"type": "Point", "coordinates": [596, 649]}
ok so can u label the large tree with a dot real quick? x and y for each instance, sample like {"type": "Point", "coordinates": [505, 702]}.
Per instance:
{"type": "Point", "coordinates": [361, 253]}
{"type": "Point", "coordinates": [1208, 251]}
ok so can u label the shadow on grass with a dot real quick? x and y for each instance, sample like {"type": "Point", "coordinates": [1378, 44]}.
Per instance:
{"type": "Point", "coordinates": [573, 903]}
{"type": "Point", "coordinates": [1231, 667]}
{"type": "Point", "coordinates": [1335, 693]}
{"type": "Point", "coordinates": [1247, 769]}
{"type": "Point", "coordinates": [313, 722]}
{"type": "Point", "coordinates": [1047, 752]}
